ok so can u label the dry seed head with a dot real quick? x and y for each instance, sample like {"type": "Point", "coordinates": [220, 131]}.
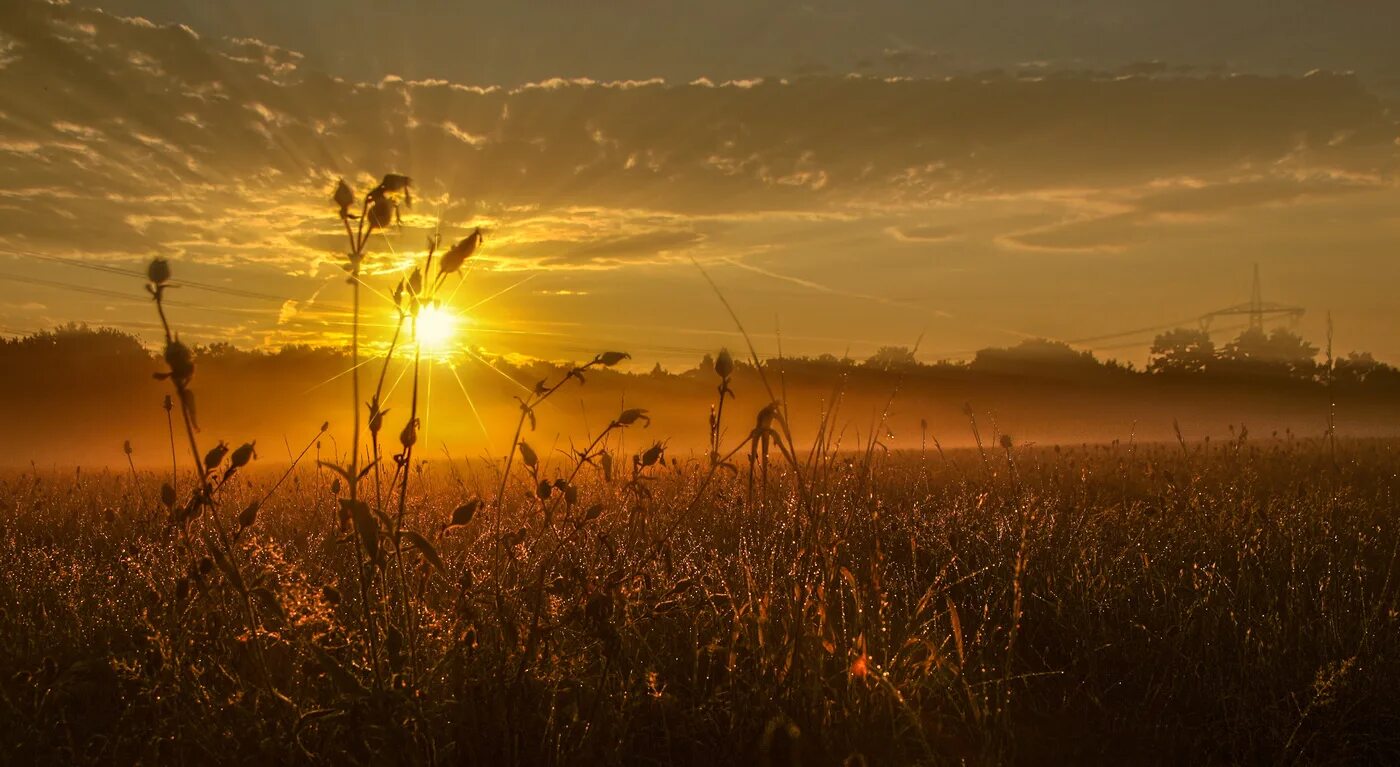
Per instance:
{"type": "Point", "coordinates": [381, 213]}
{"type": "Point", "coordinates": [453, 259]}
{"type": "Point", "coordinates": [724, 364]}
{"type": "Point", "coordinates": [409, 435]}
{"type": "Point", "coordinates": [216, 456]}
{"type": "Point", "coordinates": [394, 183]}
{"type": "Point", "coordinates": [343, 197]}
{"type": "Point", "coordinates": [158, 272]}
{"type": "Point", "coordinates": [245, 453]}
{"type": "Point", "coordinates": [464, 513]}
{"type": "Point", "coordinates": [609, 359]}
{"type": "Point", "coordinates": [527, 454]}
{"type": "Point", "coordinates": [652, 454]}
{"type": "Point", "coordinates": [249, 515]}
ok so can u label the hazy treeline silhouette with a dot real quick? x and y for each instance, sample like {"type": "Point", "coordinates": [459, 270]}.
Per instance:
{"type": "Point", "coordinates": [74, 394]}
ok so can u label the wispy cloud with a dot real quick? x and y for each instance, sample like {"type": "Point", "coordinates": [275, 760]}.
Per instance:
{"type": "Point", "coordinates": [121, 139]}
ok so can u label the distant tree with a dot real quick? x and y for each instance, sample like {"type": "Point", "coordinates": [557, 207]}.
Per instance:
{"type": "Point", "coordinates": [892, 358]}
{"type": "Point", "coordinates": [216, 349]}
{"type": "Point", "coordinates": [77, 341]}
{"type": "Point", "coordinates": [1181, 351]}
{"type": "Point", "coordinates": [1281, 352]}
{"type": "Point", "coordinates": [1361, 367]}
{"type": "Point", "coordinates": [1036, 355]}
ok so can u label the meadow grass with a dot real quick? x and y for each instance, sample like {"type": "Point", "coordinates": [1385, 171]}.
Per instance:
{"type": "Point", "coordinates": [1211, 603]}
{"type": "Point", "coordinates": [759, 603]}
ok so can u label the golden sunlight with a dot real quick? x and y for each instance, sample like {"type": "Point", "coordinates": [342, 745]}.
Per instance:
{"type": "Point", "coordinates": [437, 327]}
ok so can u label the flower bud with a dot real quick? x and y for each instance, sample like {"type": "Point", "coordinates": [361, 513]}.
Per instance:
{"type": "Point", "coordinates": [724, 364]}
{"type": "Point", "coordinates": [344, 197]}
{"type": "Point", "coordinates": [158, 272]}
{"type": "Point", "coordinates": [242, 456]}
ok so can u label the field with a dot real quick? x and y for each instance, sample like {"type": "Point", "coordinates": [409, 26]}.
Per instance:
{"type": "Point", "coordinates": [762, 600]}
{"type": "Point", "coordinates": [1224, 602]}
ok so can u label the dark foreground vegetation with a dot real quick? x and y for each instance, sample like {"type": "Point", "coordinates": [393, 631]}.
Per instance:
{"type": "Point", "coordinates": [1223, 602]}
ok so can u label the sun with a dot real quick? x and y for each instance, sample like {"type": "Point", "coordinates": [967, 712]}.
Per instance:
{"type": "Point", "coordinates": [436, 328]}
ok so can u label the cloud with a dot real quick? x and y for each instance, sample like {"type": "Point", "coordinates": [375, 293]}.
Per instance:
{"type": "Point", "coordinates": [1138, 215]}
{"type": "Point", "coordinates": [923, 233]}
{"type": "Point", "coordinates": [122, 139]}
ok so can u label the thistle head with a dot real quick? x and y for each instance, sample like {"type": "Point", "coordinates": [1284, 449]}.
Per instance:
{"type": "Point", "coordinates": [724, 364]}
{"type": "Point", "coordinates": [158, 272]}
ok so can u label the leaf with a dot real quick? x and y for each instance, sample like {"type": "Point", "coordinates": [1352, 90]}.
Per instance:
{"type": "Point", "coordinates": [593, 512]}
{"type": "Point", "coordinates": [956, 622]}
{"type": "Point", "coordinates": [365, 525]}
{"type": "Point", "coordinates": [428, 550]}
{"type": "Point", "coordinates": [680, 588]}
{"type": "Point", "coordinates": [167, 495]}
{"type": "Point", "coordinates": [609, 359]}
{"type": "Point", "coordinates": [342, 471]}
{"type": "Point", "coordinates": [343, 679]}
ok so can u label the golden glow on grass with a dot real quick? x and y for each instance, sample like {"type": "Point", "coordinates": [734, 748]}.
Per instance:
{"type": "Point", "coordinates": [437, 329]}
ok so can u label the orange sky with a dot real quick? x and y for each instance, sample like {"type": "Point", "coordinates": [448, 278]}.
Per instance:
{"type": "Point", "coordinates": [848, 211]}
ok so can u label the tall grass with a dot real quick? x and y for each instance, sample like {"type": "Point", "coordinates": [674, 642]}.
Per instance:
{"type": "Point", "coordinates": [1194, 602]}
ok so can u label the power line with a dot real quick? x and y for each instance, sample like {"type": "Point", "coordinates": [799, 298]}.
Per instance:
{"type": "Point", "coordinates": [118, 295]}
{"type": "Point", "coordinates": [125, 272]}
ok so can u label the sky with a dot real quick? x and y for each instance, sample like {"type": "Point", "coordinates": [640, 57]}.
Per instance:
{"type": "Point", "coordinates": [850, 175]}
